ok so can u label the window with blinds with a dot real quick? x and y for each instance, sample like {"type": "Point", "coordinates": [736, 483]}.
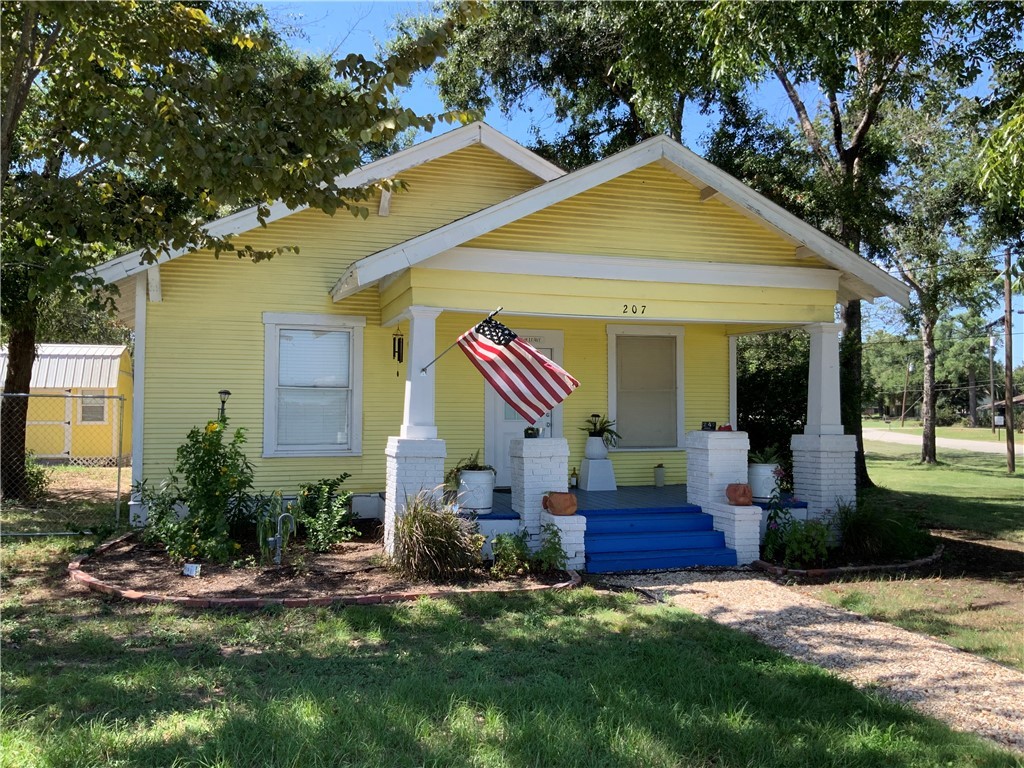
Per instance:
{"type": "Point", "coordinates": [646, 391]}
{"type": "Point", "coordinates": [93, 407]}
{"type": "Point", "coordinates": [312, 384]}
{"type": "Point", "coordinates": [314, 387]}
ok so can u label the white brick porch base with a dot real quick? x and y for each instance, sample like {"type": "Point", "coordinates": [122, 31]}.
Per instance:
{"type": "Point", "coordinates": [539, 465]}
{"type": "Point", "coordinates": [713, 461]}
{"type": "Point", "coordinates": [573, 529]}
{"type": "Point", "coordinates": [413, 465]}
{"type": "Point", "coordinates": [824, 472]}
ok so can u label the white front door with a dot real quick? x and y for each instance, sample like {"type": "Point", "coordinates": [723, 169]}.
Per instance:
{"type": "Point", "coordinates": [503, 424]}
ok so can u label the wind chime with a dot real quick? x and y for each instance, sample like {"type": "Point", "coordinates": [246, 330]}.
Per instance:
{"type": "Point", "coordinates": [398, 349]}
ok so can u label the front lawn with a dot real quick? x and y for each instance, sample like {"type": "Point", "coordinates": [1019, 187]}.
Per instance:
{"type": "Point", "coordinates": [556, 679]}
{"type": "Point", "coordinates": [980, 434]}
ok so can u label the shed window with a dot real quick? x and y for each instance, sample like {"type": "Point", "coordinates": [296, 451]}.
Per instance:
{"type": "Point", "coordinates": [645, 386]}
{"type": "Point", "coordinates": [93, 407]}
{"type": "Point", "coordinates": [312, 386]}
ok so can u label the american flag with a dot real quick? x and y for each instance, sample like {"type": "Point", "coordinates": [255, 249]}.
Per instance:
{"type": "Point", "coordinates": [521, 375]}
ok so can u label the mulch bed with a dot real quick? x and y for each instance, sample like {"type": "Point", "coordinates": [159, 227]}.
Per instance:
{"type": "Point", "coordinates": [349, 572]}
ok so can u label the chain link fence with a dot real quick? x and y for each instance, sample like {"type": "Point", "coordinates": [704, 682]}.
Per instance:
{"type": "Point", "coordinates": [77, 463]}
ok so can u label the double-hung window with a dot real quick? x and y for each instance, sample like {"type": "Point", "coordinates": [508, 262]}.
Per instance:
{"type": "Point", "coordinates": [645, 385]}
{"type": "Point", "coordinates": [93, 407]}
{"type": "Point", "coordinates": [313, 384]}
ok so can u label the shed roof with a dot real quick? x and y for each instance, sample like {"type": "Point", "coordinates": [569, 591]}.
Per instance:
{"type": "Point", "coordinates": [72, 366]}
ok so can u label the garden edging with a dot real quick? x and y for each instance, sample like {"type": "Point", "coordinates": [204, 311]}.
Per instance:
{"type": "Point", "coordinates": [844, 570]}
{"type": "Point", "coordinates": [91, 582]}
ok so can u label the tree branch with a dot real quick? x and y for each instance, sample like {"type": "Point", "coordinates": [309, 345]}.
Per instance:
{"type": "Point", "coordinates": [15, 98]}
{"type": "Point", "coordinates": [871, 106]}
{"type": "Point", "coordinates": [805, 122]}
{"type": "Point", "coordinates": [837, 123]}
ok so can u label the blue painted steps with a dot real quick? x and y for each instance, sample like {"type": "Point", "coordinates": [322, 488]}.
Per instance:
{"type": "Point", "coordinates": [651, 538]}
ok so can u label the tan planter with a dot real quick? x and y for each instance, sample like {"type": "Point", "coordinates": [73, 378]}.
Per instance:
{"type": "Point", "coordinates": [560, 503]}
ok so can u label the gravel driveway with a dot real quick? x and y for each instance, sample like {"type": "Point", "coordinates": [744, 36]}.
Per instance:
{"type": "Point", "coordinates": [950, 443]}
{"type": "Point", "coordinates": [967, 692]}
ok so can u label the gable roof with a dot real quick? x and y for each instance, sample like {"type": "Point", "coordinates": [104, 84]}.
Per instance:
{"type": "Point", "coordinates": [387, 167]}
{"type": "Point", "coordinates": [72, 366]}
{"type": "Point", "coordinates": [860, 278]}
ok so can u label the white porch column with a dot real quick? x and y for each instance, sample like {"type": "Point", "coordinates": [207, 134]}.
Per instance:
{"type": "Point", "coordinates": [824, 469]}
{"type": "Point", "coordinates": [539, 465]}
{"type": "Point", "coordinates": [418, 417]}
{"type": "Point", "coordinates": [823, 416]}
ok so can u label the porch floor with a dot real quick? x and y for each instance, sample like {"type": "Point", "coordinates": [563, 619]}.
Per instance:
{"type": "Point", "coordinates": [626, 497]}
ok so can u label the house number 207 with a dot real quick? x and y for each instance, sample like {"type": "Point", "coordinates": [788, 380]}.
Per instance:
{"type": "Point", "coordinates": [634, 309]}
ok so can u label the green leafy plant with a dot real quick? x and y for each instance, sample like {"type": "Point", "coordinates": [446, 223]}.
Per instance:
{"type": "Point", "coordinates": [191, 515]}
{"type": "Point", "coordinates": [551, 554]}
{"type": "Point", "coordinates": [470, 464]}
{"type": "Point", "coordinates": [791, 542]}
{"type": "Point", "coordinates": [37, 477]}
{"type": "Point", "coordinates": [768, 455]}
{"type": "Point", "coordinates": [601, 426]}
{"type": "Point", "coordinates": [432, 542]}
{"type": "Point", "coordinates": [268, 510]}
{"type": "Point", "coordinates": [325, 513]}
{"type": "Point", "coordinates": [869, 534]}
{"type": "Point", "coordinates": [511, 552]}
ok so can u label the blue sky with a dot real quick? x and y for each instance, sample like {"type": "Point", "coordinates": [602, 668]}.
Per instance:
{"type": "Point", "coordinates": [357, 27]}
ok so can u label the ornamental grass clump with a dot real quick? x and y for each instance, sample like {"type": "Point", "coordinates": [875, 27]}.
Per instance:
{"type": "Point", "coordinates": [433, 543]}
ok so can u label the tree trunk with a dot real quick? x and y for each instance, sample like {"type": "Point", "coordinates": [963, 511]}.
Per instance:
{"type": "Point", "coordinates": [928, 393]}
{"type": "Point", "coordinates": [852, 385]}
{"type": "Point", "coordinates": [972, 399]}
{"type": "Point", "coordinates": [21, 356]}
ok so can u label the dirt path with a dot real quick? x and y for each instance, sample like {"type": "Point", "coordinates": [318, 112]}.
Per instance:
{"type": "Point", "coordinates": [951, 443]}
{"type": "Point", "coordinates": [965, 691]}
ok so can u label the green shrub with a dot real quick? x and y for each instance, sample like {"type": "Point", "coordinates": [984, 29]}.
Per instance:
{"type": "Point", "coordinates": [551, 556]}
{"type": "Point", "coordinates": [806, 544]}
{"type": "Point", "coordinates": [511, 554]}
{"type": "Point", "coordinates": [191, 515]}
{"type": "Point", "coordinates": [37, 477]}
{"type": "Point", "coordinates": [325, 512]}
{"type": "Point", "coordinates": [432, 542]}
{"type": "Point", "coordinates": [868, 534]}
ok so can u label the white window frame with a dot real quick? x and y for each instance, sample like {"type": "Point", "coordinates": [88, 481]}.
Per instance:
{"type": "Point", "coordinates": [614, 331]}
{"type": "Point", "coordinates": [99, 394]}
{"type": "Point", "coordinates": [273, 324]}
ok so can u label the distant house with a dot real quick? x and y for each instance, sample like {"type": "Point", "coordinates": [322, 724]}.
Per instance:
{"type": "Point", "coordinates": [75, 414]}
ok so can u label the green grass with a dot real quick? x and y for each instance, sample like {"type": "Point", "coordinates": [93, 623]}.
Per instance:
{"type": "Point", "coordinates": [966, 490]}
{"type": "Point", "coordinates": [976, 615]}
{"type": "Point", "coordinates": [569, 679]}
{"type": "Point", "coordinates": [78, 498]}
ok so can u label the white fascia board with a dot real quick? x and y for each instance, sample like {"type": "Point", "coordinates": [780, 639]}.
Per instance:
{"type": "Point", "coordinates": [387, 167]}
{"type": "Point", "coordinates": [372, 268]}
{"type": "Point", "coordinates": [828, 249]}
{"type": "Point", "coordinates": [153, 280]}
{"type": "Point", "coordinates": [575, 265]}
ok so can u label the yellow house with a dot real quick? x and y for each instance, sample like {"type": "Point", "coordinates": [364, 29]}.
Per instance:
{"type": "Point", "coordinates": [635, 274]}
{"type": "Point", "coordinates": [80, 404]}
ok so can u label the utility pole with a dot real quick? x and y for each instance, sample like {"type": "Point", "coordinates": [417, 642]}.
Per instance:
{"type": "Point", "coordinates": [1011, 459]}
{"type": "Point", "coordinates": [992, 376]}
{"type": "Point", "coordinates": [906, 384]}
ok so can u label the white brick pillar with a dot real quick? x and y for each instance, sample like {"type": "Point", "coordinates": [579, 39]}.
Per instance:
{"type": "Point", "coordinates": [824, 468]}
{"type": "Point", "coordinates": [412, 466]}
{"type": "Point", "coordinates": [713, 461]}
{"type": "Point", "coordinates": [539, 465]}
{"type": "Point", "coordinates": [824, 472]}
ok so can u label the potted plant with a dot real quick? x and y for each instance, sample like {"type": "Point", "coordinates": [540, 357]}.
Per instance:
{"type": "Point", "coordinates": [600, 436]}
{"type": "Point", "coordinates": [762, 472]}
{"type": "Point", "coordinates": [472, 483]}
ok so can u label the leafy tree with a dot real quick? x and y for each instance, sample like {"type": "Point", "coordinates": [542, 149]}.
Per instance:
{"type": "Point", "coordinates": [583, 57]}
{"type": "Point", "coordinates": [771, 386]}
{"type": "Point", "coordinates": [933, 247]}
{"type": "Point", "coordinates": [131, 124]}
{"type": "Point", "coordinates": [961, 344]}
{"type": "Point", "coordinates": [887, 360]}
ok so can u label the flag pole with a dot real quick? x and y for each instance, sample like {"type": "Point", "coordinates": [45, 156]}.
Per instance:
{"type": "Point", "coordinates": [423, 370]}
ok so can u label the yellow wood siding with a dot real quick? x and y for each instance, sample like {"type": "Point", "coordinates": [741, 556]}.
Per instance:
{"type": "Point", "coordinates": [207, 334]}
{"type": "Point", "coordinates": [605, 298]}
{"type": "Point", "coordinates": [650, 213]}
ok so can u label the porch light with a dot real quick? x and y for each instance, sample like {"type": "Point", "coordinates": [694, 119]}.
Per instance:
{"type": "Point", "coordinates": [224, 395]}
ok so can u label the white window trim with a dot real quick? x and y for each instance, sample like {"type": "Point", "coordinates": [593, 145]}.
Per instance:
{"type": "Point", "coordinates": [273, 323]}
{"type": "Point", "coordinates": [614, 331]}
{"type": "Point", "coordinates": [106, 406]}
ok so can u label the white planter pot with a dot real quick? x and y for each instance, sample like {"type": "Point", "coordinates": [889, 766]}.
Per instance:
{"type": "Point", "coordinates": [476, 491]}
{"type": "Point", "coordinates": [595, 448]}
{"type": "Point", "coordinates": [762, 480]}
